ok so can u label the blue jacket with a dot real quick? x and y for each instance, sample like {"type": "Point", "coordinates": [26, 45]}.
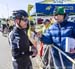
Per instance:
{"type": "Point", "coordinates": [57, 34]}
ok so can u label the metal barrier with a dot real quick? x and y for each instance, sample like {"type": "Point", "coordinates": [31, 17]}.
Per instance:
{"type": "Point", "coordinates": [50, 55]}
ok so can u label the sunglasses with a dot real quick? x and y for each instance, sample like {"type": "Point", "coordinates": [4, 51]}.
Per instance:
{"type": "Point", "coordinates": [25, 20]}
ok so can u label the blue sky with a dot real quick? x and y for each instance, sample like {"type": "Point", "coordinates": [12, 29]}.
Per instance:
{"type": "Point", "coordinates": [7, 6]}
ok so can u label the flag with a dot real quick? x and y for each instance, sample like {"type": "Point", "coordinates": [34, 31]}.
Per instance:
{"type": "Point", "coordinates": [29, 8]}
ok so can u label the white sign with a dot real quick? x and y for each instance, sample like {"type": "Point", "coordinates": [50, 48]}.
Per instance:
{"type": "Point", "coordinates": [70, 44]}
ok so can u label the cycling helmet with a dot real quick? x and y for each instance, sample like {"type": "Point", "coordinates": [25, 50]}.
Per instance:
{"type": "Point", "coordinates": [19, 14]}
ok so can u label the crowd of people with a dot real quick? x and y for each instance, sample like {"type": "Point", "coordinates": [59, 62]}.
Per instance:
{"type": "Point", "coordinates": [6, 25]}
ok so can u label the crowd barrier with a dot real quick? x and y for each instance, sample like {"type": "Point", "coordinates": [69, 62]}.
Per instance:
{"type": "Point", "coordinates": [50, 57]}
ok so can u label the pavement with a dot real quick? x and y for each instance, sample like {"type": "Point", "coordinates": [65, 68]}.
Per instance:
{"type": "Point", "coordinates": [5, 53]}
{"type": "Point", "coordinates": [37, 63]}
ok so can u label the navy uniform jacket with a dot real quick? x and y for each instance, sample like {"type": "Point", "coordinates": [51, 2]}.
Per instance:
{"type": "Point", "coordinates": [19, 43]}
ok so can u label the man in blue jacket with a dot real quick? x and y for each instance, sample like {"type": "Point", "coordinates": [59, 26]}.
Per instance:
{"type": "Point", "coordinates": [57, 33]}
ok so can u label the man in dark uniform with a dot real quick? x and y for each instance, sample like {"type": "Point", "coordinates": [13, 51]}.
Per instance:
{"type": "Point", "coordinates": [20, 43]}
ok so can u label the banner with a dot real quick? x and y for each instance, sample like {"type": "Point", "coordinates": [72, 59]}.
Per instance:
{"type": "Point", "coordinates": [49, 8]}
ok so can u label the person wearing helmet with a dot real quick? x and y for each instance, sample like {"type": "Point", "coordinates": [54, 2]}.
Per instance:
{"type": "Point", "coordinates": [57, 34]}
{"type": "Point", "coordinates": [19, 41]}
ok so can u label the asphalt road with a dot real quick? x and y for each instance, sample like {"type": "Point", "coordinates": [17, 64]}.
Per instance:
{"type": "Point", "coordinates": [5, 53]}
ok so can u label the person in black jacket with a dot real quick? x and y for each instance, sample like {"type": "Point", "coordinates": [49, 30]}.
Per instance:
{"type": "Point", "coordinates": [20, 43]}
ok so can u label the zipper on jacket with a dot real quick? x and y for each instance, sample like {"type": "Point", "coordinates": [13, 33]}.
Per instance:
{"type": "Point", "coordinates": [59, 26]}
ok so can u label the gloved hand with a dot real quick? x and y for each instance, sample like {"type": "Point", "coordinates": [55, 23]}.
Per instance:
{"type": "Point", "coordinates": [34, 50]}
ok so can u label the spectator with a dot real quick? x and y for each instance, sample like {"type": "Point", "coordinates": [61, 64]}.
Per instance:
{"type": "Point", "coordinates": [57, 33]}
